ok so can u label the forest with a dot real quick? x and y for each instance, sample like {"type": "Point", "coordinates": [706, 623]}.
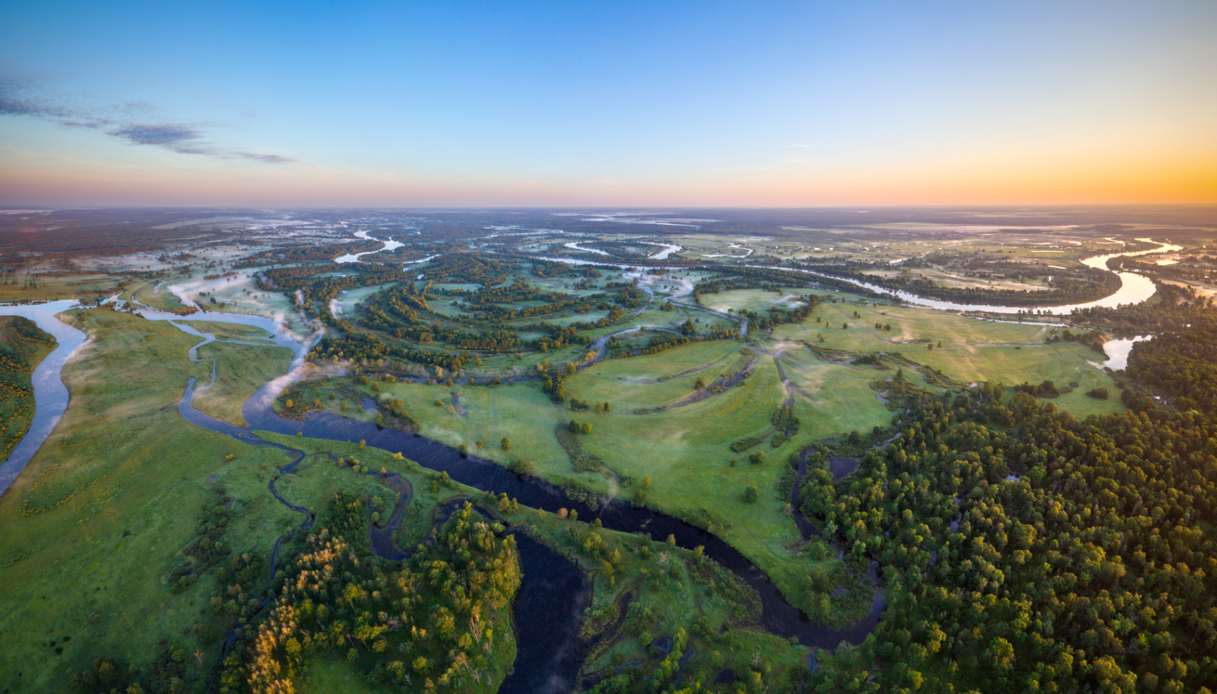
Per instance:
{"type": "Point", "coordinates": [1033, 551]}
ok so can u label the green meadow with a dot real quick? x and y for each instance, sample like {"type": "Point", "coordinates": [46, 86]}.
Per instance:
{"type": "Point", "coordinates": [966, 350]}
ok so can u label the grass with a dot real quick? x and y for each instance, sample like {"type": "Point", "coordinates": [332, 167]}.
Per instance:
{"type": "Point", "coordinates": [670, 587]}
{"type": "Point", "coordinates": [971, 350]}
{"type": "Point", "coordinates": [833, 398]}
{"type": "Point", "coordinates": [756, 300]}
{"type": "Point", "coordinates": [651, 590]}
{"type": "Point", "coordinates": [153, 294]}
{"type": "Point", "coordinates": [96, 521]}
{"type": "Point", "coordinates": [333, 674]}
{"type": "Point", "coordinates": [232, 331]}
{"type": "Point", "coordinates": [82, 286]}
{"type": "Point", "coordinates": [487, 414]}
{"type": "Point", "coordinates": [684, 451]}
{"type": "Point", "coordinates": [240, 370]}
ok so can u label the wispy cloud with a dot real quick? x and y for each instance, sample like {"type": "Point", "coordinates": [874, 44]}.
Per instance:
{"type": "Point", "coordinates": [179, 138]}
{"type": "Point", "coordinates": [175, 137]}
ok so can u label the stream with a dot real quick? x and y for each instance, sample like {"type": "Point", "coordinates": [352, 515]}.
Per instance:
{"type": "Point", "coordinates": [1134, 288]}
{"type": "Point", "coordinates": [387, 245]}
{"type": "Point", "coordinates": [549, 606]}
{"type": "Point", "coordinates": [549, 658]}
{"type": "Point", "coordinates": [50, 394]}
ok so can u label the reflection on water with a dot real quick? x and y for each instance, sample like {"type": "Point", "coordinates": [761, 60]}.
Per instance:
{"type": "Point", "coordinates": [1117, 352]}
{"type": "Point", "coordinates": [50, 394]}
{"type": "Point", "coordinates": [1134, 288]}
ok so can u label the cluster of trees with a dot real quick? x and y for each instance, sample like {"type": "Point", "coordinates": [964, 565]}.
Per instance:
{"type": "Point", "coordinates": [471, 268]}
{"type": "Point", "coordinates": [583, 405]}
{"type": "Point", "coordinates": [785, 424]}
{"type": "Point", "coordinates": [399, 324]}
{"type": "Point", "coordinates": [317, 284]}
{"type": "Point", "coordinates": [553, 378]}
{"type": "Point", "coordinates": [776, 316]}
{"type": "Point", "coordinates": [208, 546]}
{"type": "Point", "coordinates": [431, 624]}
{"type": "Point", "coordinates": [169, 672]}
{"type": "Point", "coordinates": [1028, 550]}
{"type": "Point", "coordinates": [1091, 338]}
{"type": "Point", "coordinates": [1044, 389]}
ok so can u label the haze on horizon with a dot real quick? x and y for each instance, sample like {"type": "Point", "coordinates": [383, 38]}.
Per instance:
{"type": "Point", "coordinates": [679, 104]}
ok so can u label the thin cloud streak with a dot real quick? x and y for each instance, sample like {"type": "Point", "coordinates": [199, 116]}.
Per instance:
{"type": "Point", "coordinates": [175, 137]}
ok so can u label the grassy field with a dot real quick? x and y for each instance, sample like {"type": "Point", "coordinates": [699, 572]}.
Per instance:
{"type": "Point", "coordinates": [82, 286]}
{"type": "Point", "coordinates": [99, 518]}
{"type": "Point", "coordinates": [757, 300]}
{"type": "Point", "coordinates": [486, 415]}
{"type": "Point", "coordinates": [831, 398]}
{"type": "Point", "coordinates": [232, 331]}
{"type": "Point", "coordinates": [94, 524]}
{"type": "Point", "coordinates": [647, 590]}
{"type": "Point", "coordinates": [22, 346]}
{"type": "Point", "coordinates": [240, 370]}
{"type": "Point", "coordinates": [684, 451]}
{"type": "Point", "coordinates": [151, 293]}
{"type": "Point", "coordinates": [964, 349]}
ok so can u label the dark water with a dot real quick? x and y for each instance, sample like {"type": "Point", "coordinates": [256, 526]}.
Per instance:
{"type": "Point", "coordinates": [777, 615]}
{"type": "Point", "coordinates": [547, 612]}
{"type": "Point", "coordinates": [554, 592]}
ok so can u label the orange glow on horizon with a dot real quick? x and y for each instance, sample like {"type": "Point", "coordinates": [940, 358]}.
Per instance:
{"type": "Point", "coordinates": [983, 180]}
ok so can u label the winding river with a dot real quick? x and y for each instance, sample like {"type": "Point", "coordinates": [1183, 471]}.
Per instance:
{"type": "Point", "coordinates": [546, 658]}
{"type": "Point", "coordinates": [1134, 288]}
{"type": "Point", "coordinates": [548, 653]}
{"type": "Point", "coordinates": [50, 394]}
{"type": "Point", "coordinates": [388, 245]}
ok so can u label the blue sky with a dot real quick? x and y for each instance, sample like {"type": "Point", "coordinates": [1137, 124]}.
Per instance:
{"type": "Point", "coordinates": [608, 103]}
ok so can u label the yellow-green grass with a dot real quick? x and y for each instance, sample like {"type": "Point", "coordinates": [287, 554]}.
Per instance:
{"type": "Point", "coordinates": [83, 286]}
{"type": "Point", "coordinates": [830, 398]}
{"type": "Point", "coordinates": [684, 450]}
{"type": "Point", "coordinates": [96, 522]}
{"type": "Point", "coordinates": [656, 317]}
{"type": "Point", "coordinates": [519, 412]}
{"type": "Point", "coordinates": [314, 484]}
{"type": "Point", "coordinates": [240, 370]}
{"type": "Point", "coordinates": [670, 588]}
{"type": "Point", "coordinates": [153, 294]}
{"type": "Point", "coordinates": [757, 300]}
{"type": "Point", "coordinates": [230, 331]}
{"type": "Point", "coordinates": [330, 673]}
{"type": "Point", "coordinates": [661, 378]}
{"type": "Point", "coordinates": [972, 350]}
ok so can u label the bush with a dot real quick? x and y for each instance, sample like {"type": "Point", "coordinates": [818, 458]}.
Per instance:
{"type": "Point", "coordinates": [1097, 393]}
{"type": "Point", "coordinates": [750, 494]}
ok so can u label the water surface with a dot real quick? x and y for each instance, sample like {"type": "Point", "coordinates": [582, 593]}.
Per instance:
{"type": "Point", "coordinates": [50, 394]}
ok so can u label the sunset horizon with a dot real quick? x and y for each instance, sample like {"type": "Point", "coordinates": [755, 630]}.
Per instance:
{"type": "Point", "coordinates": [790, 105]}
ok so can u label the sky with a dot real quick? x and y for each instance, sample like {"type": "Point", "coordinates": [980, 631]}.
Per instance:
{"type": "Point", "coordinates": [607, 104]}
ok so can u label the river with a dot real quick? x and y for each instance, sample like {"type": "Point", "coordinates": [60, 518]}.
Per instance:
{"type": "Point", "coordinates": [1134, 288]}
{"type": "Point", "coordinates": [388, 245]}
{"type": "Point", "coordinates": [540, 650]}
{"type": "Point", "coordinates": [777, 614]}
{"type": "Point", "coordinates": [50, 394]}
